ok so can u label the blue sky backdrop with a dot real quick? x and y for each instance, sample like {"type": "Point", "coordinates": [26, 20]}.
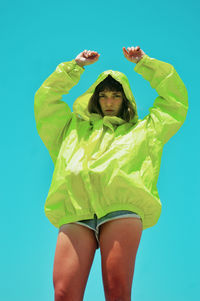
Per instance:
{"type": "Point", "coordinates": [35, 37]}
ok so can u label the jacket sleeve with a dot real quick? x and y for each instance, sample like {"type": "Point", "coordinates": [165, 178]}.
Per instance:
{"type": "Point", "coordinates": [53, 115]}
{"type": "Point", "coordinates": [170, 108]}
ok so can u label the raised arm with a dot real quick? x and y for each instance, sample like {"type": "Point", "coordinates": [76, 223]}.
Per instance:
{"type": "Point", "coordinates": [53, 115]}
{"type": "Point", "coordinates": [170, 108]}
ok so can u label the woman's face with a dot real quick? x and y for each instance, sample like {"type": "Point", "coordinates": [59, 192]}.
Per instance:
{"type": "Point", "coordinates": [110, 102]}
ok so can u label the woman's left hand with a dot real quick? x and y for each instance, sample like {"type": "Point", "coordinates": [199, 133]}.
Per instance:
{"type": "Point", "coordinates": [133, 54]}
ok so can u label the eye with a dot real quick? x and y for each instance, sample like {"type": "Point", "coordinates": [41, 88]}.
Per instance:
{"type": "Point", "coordinates": [115, 95]}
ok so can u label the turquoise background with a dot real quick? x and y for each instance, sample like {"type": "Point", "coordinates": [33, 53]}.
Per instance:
{"type": "Point", "coordinates": [35, 37]}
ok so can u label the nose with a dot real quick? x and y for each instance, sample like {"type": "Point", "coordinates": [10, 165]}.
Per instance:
{"type": "Point", "coordinates": [109, 101]}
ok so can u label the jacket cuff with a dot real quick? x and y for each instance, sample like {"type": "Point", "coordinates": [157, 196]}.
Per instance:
{"type": "Point", "coordinates": [72, 66]}
{"type": "Point", "coordinates": [141, 63]}
{"type": "Point", "coordinates": [77, 67]}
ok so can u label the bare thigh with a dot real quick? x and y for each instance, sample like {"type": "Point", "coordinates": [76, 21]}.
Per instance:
{"type": "Point", "coordinates": [74, 254]}
{"type": "Point", "coordinates": [119, 241]}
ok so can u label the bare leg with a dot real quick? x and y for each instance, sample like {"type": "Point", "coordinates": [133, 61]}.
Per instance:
{"type": "Point", "coordinates": [119, 241]}
{"type": "Point", "coordinates": [75, 249]}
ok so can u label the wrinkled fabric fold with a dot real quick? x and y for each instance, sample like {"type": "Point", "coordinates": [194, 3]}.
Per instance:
{"type": "Point", "coordinates": [104, 164]}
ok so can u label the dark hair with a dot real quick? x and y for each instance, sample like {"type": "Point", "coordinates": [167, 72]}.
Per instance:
{"type": "Point", "coordinates": [110, 84]}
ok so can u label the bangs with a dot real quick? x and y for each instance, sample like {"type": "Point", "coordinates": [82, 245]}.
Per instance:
{"type": "Point", "coordinates": [110, 84]}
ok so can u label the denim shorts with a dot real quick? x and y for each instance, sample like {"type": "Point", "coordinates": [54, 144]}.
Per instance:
{"type": "Point", "coordinates": [96, 222]}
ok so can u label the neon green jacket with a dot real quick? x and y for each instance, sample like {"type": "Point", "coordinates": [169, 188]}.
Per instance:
{"type": "Point", "coordinates": [104, 164]}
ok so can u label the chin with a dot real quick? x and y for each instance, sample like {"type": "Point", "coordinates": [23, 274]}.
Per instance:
{"type": "Point", "coordinates": [110, 114]}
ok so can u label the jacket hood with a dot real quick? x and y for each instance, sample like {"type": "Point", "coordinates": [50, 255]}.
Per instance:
{"type": "Point", "coordinates": [80, 106]}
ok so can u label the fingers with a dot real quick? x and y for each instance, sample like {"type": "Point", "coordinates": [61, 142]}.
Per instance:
{"type": "Point", "coordinates": [131, 49]}
{"type": "Point", "coordinates": [125, 51]}
{"type": "Point", "coordinates": [133, 54]}
{"type": "Point", "coordinates": [90, 54]}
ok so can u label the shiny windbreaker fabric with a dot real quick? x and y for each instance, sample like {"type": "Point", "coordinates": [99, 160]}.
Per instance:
{"type": "Point", "coordinates": [104, 164]}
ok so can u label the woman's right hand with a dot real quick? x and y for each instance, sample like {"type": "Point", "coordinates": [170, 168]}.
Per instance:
{"type": "Point", "coordinates": [87, 57]}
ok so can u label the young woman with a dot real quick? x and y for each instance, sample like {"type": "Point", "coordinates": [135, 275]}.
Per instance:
{"type": "Point", "coordinates": [103, 192]}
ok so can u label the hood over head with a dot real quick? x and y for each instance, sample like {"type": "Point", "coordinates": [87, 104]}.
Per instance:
{"type": "Point", "coordinates": [80, 106]}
